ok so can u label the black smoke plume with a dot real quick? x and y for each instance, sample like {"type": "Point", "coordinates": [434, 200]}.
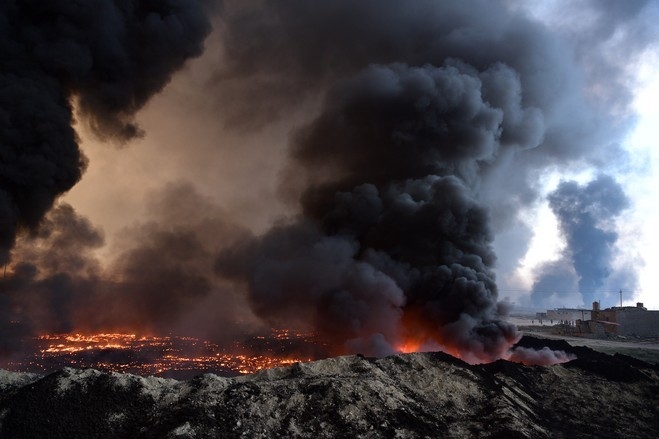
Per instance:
{"type": "Point", "coordinates": [586, 215]}
{"type": "Point", "coordinates": [107, 56]}
{"type": "Point", "coordinates": [436, 120]}
{"type": "Point", "coordinates": [422, 111]}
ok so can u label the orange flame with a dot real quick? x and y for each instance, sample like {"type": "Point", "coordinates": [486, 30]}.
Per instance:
{"type": "Point", "coordinates": [165, 353]}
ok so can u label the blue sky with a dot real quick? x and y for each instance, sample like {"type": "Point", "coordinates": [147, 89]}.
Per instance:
{"type": "Point", "coordinates": [638, 239]}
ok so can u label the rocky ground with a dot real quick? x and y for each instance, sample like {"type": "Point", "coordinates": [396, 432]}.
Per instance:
{"type": "Point", "coordinates": [423, 395]}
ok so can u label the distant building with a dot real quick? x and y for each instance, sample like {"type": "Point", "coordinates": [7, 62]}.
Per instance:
{"type": "Point", "coordinates": [623, 320]}
{"type": "Point", "coordinates": [567, 316]}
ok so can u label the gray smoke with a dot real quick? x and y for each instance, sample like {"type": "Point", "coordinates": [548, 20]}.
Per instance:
{"type": "Point", "coordinates": [608, 42]}
{"type": "Point", "coordinates": [160, 279]}
{"type": "Point", "coordinates": [163, 272]}
{"type": "Point", "coordinates": [586, 216]}
{"type": "Point", "coordinates": [107, 56]}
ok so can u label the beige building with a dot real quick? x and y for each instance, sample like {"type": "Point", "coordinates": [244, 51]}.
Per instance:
{"type": "Point", "coordinates": [626, 321]}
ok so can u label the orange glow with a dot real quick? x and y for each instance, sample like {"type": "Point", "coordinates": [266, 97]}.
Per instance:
{"type": "Point", "coordinates": [409, 345]}
{"type": "Point", "coordinates": [148, 355]}
{"type": "Point", "coordinates": [418, 335]}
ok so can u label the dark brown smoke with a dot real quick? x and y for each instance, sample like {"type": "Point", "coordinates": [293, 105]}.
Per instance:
{"type": "Point", "coordinates": [160, 279]}
{"type": "Point", "coordinates": [109, 56]}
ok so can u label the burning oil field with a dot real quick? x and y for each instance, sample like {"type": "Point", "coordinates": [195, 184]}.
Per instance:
{"type": "Point", "coordinates": [364, 171]}
{"type": "Point", "coordinates": [410, 396]}
{"type": "Point", "coordinates": [165, 356]}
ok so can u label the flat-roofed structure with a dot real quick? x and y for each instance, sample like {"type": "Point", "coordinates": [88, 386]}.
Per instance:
{"type": "Point", "coordinates": [624, 320]}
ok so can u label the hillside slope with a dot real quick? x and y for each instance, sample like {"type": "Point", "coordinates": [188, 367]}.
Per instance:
{"type": "Point", "coordinates": [404, 396]}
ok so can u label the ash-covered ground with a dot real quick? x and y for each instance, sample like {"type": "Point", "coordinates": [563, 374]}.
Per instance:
{"type": "Point", "coordinates": [421, 395]}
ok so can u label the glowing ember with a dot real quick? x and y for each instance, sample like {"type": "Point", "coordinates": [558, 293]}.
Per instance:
{"type": "Point", "coordinates": [409, 346]}
{"type": "Point", "coordinates": [160, 355]}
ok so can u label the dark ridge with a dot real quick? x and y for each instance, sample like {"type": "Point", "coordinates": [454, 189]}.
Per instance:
{"type": "Point", "coordinates": [621, 368]}
{"type": "Point", "coordinates": [635, 362]}
{"type": "Point", "coordinates": [611, 368]}
{"type": "Point", "coordinates": [536, 343]}
{"type": "Point", "coordinates": [408, 395]}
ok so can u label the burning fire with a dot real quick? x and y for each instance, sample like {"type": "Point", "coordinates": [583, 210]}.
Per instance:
{"type": "Point", "coordinates": [154, 355]}
{"type": "Point", "coordinates": [188, 356]}
{"type": "Point", "coordinates": [411, 344]}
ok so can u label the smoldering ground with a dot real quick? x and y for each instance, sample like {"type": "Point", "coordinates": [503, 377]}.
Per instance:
{"type": "Point", "coordinates": [159, 281]}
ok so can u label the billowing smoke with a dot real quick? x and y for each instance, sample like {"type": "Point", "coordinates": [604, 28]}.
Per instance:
{"type": "Point", "coordinates": [393, 239]}
{"type": "Point", "coordinates": [160, 279]}
{"type": "Point", "coordinates": [55, 268]}
{"type": "Point", "coordinates": [107, 56]}
{"type": "Point", "coordinates": [418, 132]}
{"type": "Point", "coordinates": [54, 276]}
{"type": "Point", "coordinates": [163, 275]}
{"type": "Point", "coordinates": [425, 108]}
{"type": "Point", "coordinates": [586, 216]}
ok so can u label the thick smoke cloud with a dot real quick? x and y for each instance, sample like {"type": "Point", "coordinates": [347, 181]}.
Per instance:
{"type": "Point", "coordinates": [282, 55]}
{"type": "Point", "coordinates": [425, 126]}
{"type": "Point", "coordinates": [586, 216]}
{"type": "Point", "coordinates": [160, 280]}
{"type": "Point", "coordinates": [393, 174]}
{"type": "Point", "coordinates": [163, 275]}
{"type": "Point", "coordinates": [436, 120]}
{"type": "Point", "coordinates": [54, 276]}
{"type": "Point", "coordinates": [107, 56]}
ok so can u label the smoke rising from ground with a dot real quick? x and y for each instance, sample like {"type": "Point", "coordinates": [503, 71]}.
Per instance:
{"type": "Point", "coordinates": [586, 216]}
{"type": "Point", "coordinates": [425, 130]}
{"type": "Point", "coordinates": [435, 123]}
{"type": "Point", "coordinates": [160, 280]}
{"type": "Point", "coordinates": [394, 240]}
{"type": "Point", "coordinates": [544, 356]}
{"type": "Point", "coordinates": [54, 275]}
